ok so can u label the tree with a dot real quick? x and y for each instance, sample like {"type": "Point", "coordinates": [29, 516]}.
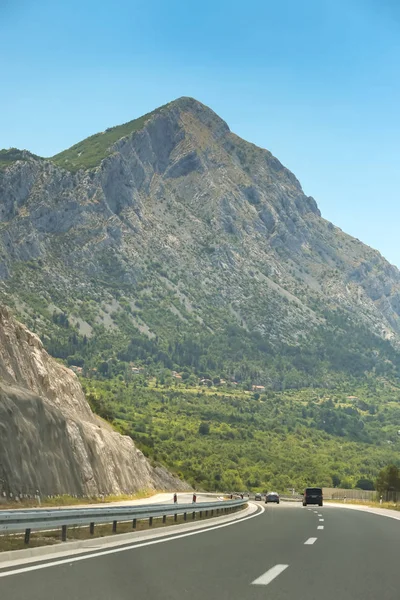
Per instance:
{"type": "Point", "coordinates": [76, 359]}
{"type": "Point", "coordinates": [336, 480]}
{"type": "Point", "coordinates": [388, 479]}
{"type": "Point", "coordinates": [346, 484]}
{"type": "Point", "coordinates": [204, 428]}
{"type": "Point", "coordinates": [104, 368]}
{"type": "Point", "coordinates": [365, 484]}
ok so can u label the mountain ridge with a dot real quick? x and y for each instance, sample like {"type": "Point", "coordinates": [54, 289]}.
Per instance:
{"type": "Point", "coordinates": [184, 218]}
{"type": "Point", "coordinates": [107, 138]}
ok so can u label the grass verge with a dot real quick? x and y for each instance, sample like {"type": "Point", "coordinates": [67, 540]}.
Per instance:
{"type": "Point", "coordinates": [389, 505]}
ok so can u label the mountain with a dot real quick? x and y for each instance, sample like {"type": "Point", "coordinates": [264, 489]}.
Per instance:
{"type": "Point", "coordinates": [172, 243]}
{"type": "Point", "coordinates": [49, 438]}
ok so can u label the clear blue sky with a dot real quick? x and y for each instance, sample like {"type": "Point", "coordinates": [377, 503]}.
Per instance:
{"type": "Point", "coordinates": [317, 82]}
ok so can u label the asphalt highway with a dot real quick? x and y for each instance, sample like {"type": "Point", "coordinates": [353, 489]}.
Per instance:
{"type": "Point", "coordinates": [286, 552]}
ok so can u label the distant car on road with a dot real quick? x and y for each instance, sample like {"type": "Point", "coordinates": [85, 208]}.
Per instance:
{"type": "Point", "coordinates": [258, 497]}
{"type": "Point", "coordinates": [312, 496]}
{"type": "Point", "coordinates": [272, 497]}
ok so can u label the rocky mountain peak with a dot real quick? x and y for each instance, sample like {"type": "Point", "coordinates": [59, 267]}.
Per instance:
{"type": "Point", "coordinates": [199, 110]}
{"type": "Point", "coordinates": [174, 213]}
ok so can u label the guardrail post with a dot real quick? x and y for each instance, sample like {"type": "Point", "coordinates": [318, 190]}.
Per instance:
{"type": "Point", "coordinates": [70, 517]}
{"type": "Point", "coordinates": [27, 535]}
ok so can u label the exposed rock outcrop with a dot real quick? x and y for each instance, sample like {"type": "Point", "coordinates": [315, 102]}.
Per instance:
{"type": "Point", "coordinates": [49, 438]}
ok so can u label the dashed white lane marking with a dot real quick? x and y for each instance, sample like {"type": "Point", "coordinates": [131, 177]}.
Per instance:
{"type": "Point", "coordinates": [269, 575]}
{"type": "Point", "coordinates": [320, 527]}
{"type": "Point", "coordinates": [319, 515]}
{"type": "Point", "coordinates": [321, 520]}
{"type": "Point", "coordinates": [310, 541]}
{"type": "Point", "coordinates": [171, 538]}
{"type": "Point", "coordinates": [315, 511]}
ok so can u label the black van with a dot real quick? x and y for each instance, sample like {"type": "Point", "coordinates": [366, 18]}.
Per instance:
{"type": "Point", "coordinates": [312, 496]}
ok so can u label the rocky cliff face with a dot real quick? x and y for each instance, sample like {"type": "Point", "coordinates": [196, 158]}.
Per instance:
{"type": "Point", "coordinates": [49, 438]}
{"type": "Point", "coordinates": [175, 213]}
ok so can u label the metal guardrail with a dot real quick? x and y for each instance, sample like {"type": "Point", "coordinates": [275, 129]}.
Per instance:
{"type": "Point", "coordinates": [15, 521]}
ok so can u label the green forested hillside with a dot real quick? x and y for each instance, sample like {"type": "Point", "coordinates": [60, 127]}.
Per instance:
{"type": "Point", "coordinates": [340, 349]}
{"type": "Point", "coordinates": [228, 439]}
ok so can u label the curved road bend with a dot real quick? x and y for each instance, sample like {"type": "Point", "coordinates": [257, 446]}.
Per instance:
{"type": "Point", "coordinates": [286, 552]}
{"type": "Point", "coordinates": [161, 498]}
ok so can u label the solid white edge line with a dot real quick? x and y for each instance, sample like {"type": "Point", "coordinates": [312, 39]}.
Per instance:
{"type": "Point", "coordinates": [269, 575]}
{"type": "Point", "coordinates": [73, 559]}
{"type": "Point", "coordinates": [320, 527]}
{"type": "Point", "coordinates": [310, 541]}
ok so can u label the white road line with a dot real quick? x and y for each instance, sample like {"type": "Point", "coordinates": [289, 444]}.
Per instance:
{"type": "Point", "coordinates": [319, 515]}
{"type": "Point", "coordinates": [321, 520]}
{"type": "Point", "coordinates": [320, 527]}
{"type": "Point", "coordinates": [171, 538]}
{"type": "Point", "coordinates": [310, 541]}
{"type": "Point", "coordinates": [269, 575]}
{"type": "Point", "coordinates": [315, 511]}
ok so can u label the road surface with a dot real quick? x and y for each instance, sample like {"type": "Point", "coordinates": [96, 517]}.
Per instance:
{"type": "Point", "coordinates": [286, 552]}
{"type": "Point", "coordinates": [161, 498]}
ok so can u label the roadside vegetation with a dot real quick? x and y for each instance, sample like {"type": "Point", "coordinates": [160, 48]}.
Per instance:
{"type": "Point", "coordinates": [67, 500]}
